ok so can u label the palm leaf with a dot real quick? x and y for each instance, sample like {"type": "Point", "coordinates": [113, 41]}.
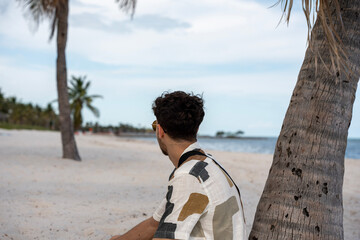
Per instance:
{"type": "Point", "coordinates": [95, 96]}
{"type": "Point", "coordinates": [87, 85]}
{"type": "Point", "coordinates": [93, 109]}
{"type": "Point", "coordinates": [39, 10]}
{"type": "Point", "coordinates": [79, 98]}
{"type": "Point", "coordinates": [127, 5]}
{"type": "Point", "coordinates": [323, 10]}
{"type": "Point", "coordinates": [53, 25]}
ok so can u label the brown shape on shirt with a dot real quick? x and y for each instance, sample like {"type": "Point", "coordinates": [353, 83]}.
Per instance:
{"type": "Point", "coordinates": [196, 203]}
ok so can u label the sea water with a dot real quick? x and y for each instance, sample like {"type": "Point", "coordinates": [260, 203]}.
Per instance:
{"type": "Point", "coordinates": [258, 145]}
{"type": "Point", "coordinates": [263, 145]}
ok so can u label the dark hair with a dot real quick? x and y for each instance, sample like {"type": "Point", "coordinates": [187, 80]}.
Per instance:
{"type": "Point", "coordinates": [179, 114]}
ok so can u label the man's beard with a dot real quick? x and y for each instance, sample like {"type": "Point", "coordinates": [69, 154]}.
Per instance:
{"type": "Point", "coordinates": [162, 146]}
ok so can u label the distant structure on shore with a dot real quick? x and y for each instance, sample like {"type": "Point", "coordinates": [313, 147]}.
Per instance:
{"type": "Point", "coordinates": [222, 134]}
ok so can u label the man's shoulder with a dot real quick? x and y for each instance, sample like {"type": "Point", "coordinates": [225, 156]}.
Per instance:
{"type": "Point", "coordinates": [192, 168]}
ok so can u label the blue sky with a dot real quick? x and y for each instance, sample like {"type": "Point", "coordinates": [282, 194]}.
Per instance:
{"type": "Point", "coordinates": [231, 51]}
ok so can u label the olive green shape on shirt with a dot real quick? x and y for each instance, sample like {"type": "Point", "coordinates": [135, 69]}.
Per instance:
{"type": "Point", "coordinates": [197, 231]}
{"type": "Point", "coordinates": [222, 220]}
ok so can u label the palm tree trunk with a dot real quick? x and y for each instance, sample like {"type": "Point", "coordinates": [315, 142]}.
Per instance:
{"type": "Point", "coordinates": [67, 134]}
{"type": "Point", "coordinates": [302, 198]}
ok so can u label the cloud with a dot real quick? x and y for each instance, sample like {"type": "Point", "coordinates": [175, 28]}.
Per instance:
{"type": "Point", "coordinates": [17, 31]}
{"type": "Point", "coordinates": [165, 32]}
{"type": "Point", "coordinates": [158, 23]}
{"type": "Point", "coordinates": [93, 21]}
{"type": "Point", "coordinates": [278, 84]}
{"type": "Point", "coordinates": [208, 32]}
{"type": "Point", "coordinates": [4, 4]}
{"type": "Point", "coordinates": [31, 83]}
{"type": "Point", "coordinates": [147, 22]}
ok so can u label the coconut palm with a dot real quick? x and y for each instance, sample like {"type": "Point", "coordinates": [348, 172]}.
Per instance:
{"type": "Point", "coordinates": [302, 198]}
{"type": "Point", "coordinates": [57, 12]}
{"type": "Point", "coordinates": [79, 98]}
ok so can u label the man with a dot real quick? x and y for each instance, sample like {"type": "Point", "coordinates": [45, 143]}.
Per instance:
{"type": "Point", "coordinates": [202, 202]}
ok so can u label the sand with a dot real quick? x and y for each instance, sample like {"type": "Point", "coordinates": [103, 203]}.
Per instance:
{"type": "Point", "coordinates": [119, 183]}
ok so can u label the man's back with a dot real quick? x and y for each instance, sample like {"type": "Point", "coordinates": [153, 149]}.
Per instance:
{"type": "Point", "coordinates": [202, 203]}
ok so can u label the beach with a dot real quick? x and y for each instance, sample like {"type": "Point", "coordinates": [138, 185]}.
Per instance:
{"type": "Point", "coordinates": [118, 183]}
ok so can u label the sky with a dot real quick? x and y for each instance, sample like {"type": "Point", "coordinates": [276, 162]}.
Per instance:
{"type": "Point", "coordinates": [233, 52]}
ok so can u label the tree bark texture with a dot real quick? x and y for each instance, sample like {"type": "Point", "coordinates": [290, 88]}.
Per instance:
{"type": "Point", "coordinates": [67, 133]}
{"type": "Point", "coordinates": [302, 198]}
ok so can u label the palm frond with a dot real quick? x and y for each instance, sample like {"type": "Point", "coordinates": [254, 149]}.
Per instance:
{"type": "Point", "coordinates": [38, 10]}
{"type": "Point", "coordinates": [127, 5]}
{"type": "Point", "coordinates": [79, 98]}
{"type": "Point", "coordinates": [329, 14]}
{"type": "Point", "coordinates": [35, 9]}
{"type": "Point", "coordinates": [87, 85]}
{"type": "Point", "coordinates": [95, 96]}
{"type": "Point", "coordinates": [94, 110]}
{"type": "Point", "coordinates": [53, 24]}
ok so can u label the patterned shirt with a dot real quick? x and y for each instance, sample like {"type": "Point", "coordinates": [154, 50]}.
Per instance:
{"type": "Point", "coordinates": [202, 203]}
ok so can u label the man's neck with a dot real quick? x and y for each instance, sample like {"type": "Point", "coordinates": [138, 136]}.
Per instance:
{"type": "Point", "coordinates": [175, 150]}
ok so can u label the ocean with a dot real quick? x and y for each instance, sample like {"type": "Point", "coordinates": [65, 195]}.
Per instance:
{"type": "Point", "coordinates": [266, 145]}
{"type": "Point", "coordinates": [258, 145]}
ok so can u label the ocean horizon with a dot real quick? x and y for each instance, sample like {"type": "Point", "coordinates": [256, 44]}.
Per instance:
{"type": "Point", "coordinates": [262, 145]}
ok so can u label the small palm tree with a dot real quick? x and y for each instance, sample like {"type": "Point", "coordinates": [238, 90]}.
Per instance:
{"type": "Point", "coordinates": [78, 95]}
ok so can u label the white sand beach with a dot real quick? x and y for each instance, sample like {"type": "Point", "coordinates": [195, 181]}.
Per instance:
{"type": "Point", "coordinates": [119, 183]}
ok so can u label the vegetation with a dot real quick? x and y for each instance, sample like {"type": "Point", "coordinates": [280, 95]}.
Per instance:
{"type": "Point", "coordinates": [15, 115]}
{"type": "Point", "coordinates": [302, 198]}
{"type": "Point", "coordinates": [11, 126]}
{"type": "Point", "coordinates": [79, 98]}
{"type": "Point", "coordinates": [126, 128]}
{"type": "Point", "coordinates": [223, 134]}
{"type": "Point", "coordinates": [118, 130]}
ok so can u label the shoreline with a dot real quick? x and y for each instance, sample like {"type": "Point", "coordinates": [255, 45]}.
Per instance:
{"type": "Point", "coordinates": [259, 146]}
{"type": "Point", "coordinates": [140, 135]}
{"type": "Point", "coordinates": [119, 183]}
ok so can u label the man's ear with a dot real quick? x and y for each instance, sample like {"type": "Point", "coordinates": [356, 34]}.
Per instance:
{"type": "Point", "coordinates": [161, 131]}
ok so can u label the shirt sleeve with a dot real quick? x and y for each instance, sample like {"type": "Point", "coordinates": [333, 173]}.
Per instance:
{"type": "Point", "coordinates": [160, 210]}
{"type": "Point", "coordinates": [182, 208]}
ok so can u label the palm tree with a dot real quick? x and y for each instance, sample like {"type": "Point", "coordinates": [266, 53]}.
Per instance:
{"type": "Point", "coordinates": [78, 93]}
{"type": "Point", "coordinates": [57, 11]}
{"type": "Point", "coordinates": [302, 198]}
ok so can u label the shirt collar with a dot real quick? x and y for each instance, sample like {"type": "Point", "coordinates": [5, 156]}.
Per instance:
{"type": "Point", "coordinates": [191, 147]}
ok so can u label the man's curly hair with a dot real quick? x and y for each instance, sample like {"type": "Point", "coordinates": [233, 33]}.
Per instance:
{"type": "Point", "coordinates": [179, 114]}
